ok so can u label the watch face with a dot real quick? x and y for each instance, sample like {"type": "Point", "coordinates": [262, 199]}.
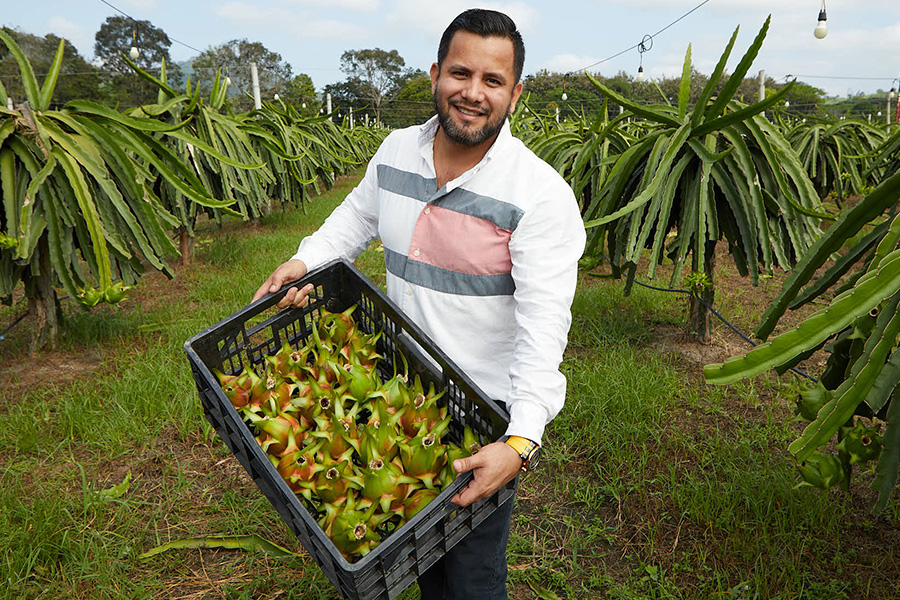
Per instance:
{"type": "Point", "coordinates": [535, 459]}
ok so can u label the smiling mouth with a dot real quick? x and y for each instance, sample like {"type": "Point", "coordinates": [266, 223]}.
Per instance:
{"type": "Point", "coordinates": [469, 111]}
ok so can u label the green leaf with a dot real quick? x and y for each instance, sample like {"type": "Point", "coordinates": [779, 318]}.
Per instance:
{"type": "Point", "coordinates": [542, 593]}
{"type": "Point", "coordinates": [865, 295]}
{"type": "Point", "coordinates": [737, 77]}
{"type": "Point", "coordinates": [138, 123]}
{"type": "Point", "coordinates": [141, 73]}
{"type": "Point", "coordinates": [89, 213]}
{"type": "Point", "coordinates": [117, 491]}
{"type": "Point", "coordinates": [886, 471]}
{"type": "Point", "coordinates": [856, 387]}
{"type": "Point", "coordinates": [710, 88]}
{"type": "Point", "coordinates": [684, 91]}
{"type": "Point", "coordinates": [676, 142]}
{"type": "Point", "coordinates": [743, 114]}
{"type": "Point", "coordinates": [29, 81]}
{"type": "Point", "coordinates": [848, 224]}
{"type": "Point", "coordinates": [249, 543]}
{"type": "Point", "coordinates": [654, 115]}
{"type": "Point", "coordinates": [52, 75]}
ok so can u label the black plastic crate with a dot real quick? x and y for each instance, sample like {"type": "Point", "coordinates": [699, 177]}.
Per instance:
{"type": "Point", "coordinates": [259, 330]}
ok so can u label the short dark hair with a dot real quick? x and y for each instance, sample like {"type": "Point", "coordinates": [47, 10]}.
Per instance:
{"type": "Point", "coordinates": [486, 23]}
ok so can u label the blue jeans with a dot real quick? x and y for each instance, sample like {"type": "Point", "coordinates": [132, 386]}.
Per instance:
{"type": "Point", "coordinates": [475, 568]}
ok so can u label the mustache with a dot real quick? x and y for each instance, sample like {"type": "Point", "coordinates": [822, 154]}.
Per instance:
{"type": "Point", "coordinates": [463, 104]}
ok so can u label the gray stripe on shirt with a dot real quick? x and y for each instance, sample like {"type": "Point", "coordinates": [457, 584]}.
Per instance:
{"type": "Point", "coordinates": [444, 280]}
{"type": "Point", "coordinates": [412, 185]}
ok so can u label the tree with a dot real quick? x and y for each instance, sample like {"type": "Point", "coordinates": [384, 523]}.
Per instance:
{"type": "Point", "coordinates": [300, 91]}
{"type": "Point", "coordinates": [411, 104]}
{"type": "Point", "coordinates": [375, 72]}
{"type": "Point", "coordinates": [116, 37]}
{"type": "Point", "coordinates": [234, 59]}
{"type": "Point", "coordinates": [78, 79]}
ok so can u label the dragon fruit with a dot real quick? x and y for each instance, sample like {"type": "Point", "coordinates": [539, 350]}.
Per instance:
{"type": "Point", "coordinates": [384, 483]}
{"type": "Point", "coordinates": [423, 456]}
{"type": "Point", "coordinates": [365, 455]}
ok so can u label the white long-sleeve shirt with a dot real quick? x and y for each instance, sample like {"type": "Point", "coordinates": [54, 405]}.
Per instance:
{"type": "Point", "coordinates": [486, 265]}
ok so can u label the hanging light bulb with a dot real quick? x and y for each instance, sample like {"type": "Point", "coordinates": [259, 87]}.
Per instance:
{"type": "Point", "coordinates": [821, 29]}
{"type": "Point", "coordinates": [565, 96]}
{"type": "Point", "coordinates": [133, 53]}
{"type": "Point", "coordinates": [227, 80]}
{"type": "Point", "coordinates": [640, 75]}
{"type": "Point", "coordinates": [276, 97]}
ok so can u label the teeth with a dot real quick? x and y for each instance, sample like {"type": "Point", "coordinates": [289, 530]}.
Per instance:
{"type": "Point", "coordinates": [466, 111]}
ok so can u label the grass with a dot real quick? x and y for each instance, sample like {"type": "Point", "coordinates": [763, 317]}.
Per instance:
{"type": "Point", "coordinates": [655, 485]}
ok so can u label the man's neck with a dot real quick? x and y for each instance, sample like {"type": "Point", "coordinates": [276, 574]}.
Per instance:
{"type": "Point", "coordinates": [452, 159]}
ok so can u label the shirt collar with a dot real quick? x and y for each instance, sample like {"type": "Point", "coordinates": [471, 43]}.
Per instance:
{"type": "Point", "coordinates": [429, 129]}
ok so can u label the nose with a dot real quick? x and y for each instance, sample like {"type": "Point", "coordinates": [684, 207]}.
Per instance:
{"type": "Point", "coordinates": [473, 91]}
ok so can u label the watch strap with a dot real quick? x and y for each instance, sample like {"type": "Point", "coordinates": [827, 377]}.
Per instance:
{"type": "Point", "coordinates": [523, 446]}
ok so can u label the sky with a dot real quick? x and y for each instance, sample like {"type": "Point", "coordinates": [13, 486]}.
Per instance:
{"type": "Point", "coordinates": [861, 52]}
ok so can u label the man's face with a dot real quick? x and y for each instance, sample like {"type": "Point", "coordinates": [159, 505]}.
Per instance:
{"type": "Point", "coordinates": [475, 90]}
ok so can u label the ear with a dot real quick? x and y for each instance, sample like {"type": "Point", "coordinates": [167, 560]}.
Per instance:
{"type": "Point", "coordinates": [517, 91]}
{"type": "Point", "coordinates": [435, 71]}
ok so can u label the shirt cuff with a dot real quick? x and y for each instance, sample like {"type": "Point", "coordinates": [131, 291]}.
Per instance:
{"type": "Point", "coordinates": [527, 420]}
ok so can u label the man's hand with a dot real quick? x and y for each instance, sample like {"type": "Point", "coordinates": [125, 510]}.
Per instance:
{"type": "Point", "coordinates": [492, 467]}
{"type": "Point", "coordinates": [287, 272]}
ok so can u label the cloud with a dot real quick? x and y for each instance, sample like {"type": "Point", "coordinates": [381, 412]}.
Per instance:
{"type": "Point", "coordinates": [365, 6]}
{"type": "Point", "coordinates": [298, 23]}
{"type": "Point", "coordinates": [432, 18]}
{"type": "Point", "coordinates": [73, 33]}
{"type": "Point", "coordinates": [139, 5]}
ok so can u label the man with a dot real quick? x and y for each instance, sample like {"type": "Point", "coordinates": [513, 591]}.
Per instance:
{"type": "Point", "coordinates": [481, 242]}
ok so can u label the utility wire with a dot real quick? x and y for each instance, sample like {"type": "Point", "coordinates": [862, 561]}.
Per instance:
{"type": "Point", "coordinates": [642, 42]}
{"type": "Point", "coordinates": [121, 12]}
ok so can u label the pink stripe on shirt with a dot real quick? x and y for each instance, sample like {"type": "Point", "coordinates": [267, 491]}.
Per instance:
{"type": "Point", "coordinates": [436, 239]}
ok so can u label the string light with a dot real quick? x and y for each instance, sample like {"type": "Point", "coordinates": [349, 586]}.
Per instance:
{"type": "Point", "coordinates": [821, 29]}
{"type": "Point", "coordinates": [645, 45]}
{"type": "Point", "coordinates": [134, 51]}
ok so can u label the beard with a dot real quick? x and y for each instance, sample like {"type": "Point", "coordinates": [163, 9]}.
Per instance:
{"type": "Point", "coordinates": [462, 135]}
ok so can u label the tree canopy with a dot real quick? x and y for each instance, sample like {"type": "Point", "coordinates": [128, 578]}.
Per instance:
{"type": "Point", "coordinates": [116, 37]}
{"type": "Point", "coordinates": [233, 59]}
{"type": "Point", "coordinates": [78, 79]}
{"type": "Point", "coordinates": [374, 74]}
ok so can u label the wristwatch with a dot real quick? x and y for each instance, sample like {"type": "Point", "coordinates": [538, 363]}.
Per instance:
{"type": "Point", "coordinates": [528, 451]}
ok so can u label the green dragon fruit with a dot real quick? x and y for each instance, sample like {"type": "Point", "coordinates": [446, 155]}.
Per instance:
{"type": "Point", "coordinates": [860, 443]}
{"type": "Point", "coordinates": [289, 363]}
{"type": "Point", "coordinates": [236, 387]}
{"type": "Point", "coordinates": [337, 328]}
{"type": "Point", "coordinates": [384, 482]}
{"type": "Point", "coordinates": [378, 438]}
{"type": "Point", "coordinates": [423, 456]}
{"type": "Point", "coordinates": [361, 350]}
{"type": "Point", "coordinates": [354, 530]}
{"type": "Point", "coordinates": [300, 469]}
{"type": "Point", "coordinates": [281, 434]}
{"type": "Point", "coordinates": [822, 471]}
{"type": "Point", "coordinates": [332, 484]}
{"type": "Point", "coordinates": [337, 434]}
{"type": "Point", "coordinates": [422, 409]}
{"type": "Point", "coordinates": [417, 501]}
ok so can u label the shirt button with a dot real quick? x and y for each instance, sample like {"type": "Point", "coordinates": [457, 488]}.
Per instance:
{"type": "Point", "coordinates": [415, 253]}
{"type": "Point", "coordinates": [409, 291]}
{"type": "Point", "coordinates": [427, 211]}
